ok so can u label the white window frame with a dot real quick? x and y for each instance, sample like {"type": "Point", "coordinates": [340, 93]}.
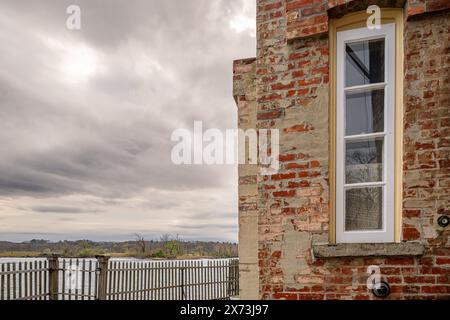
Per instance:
{"type": "Point", "coordinates": [386, 234]}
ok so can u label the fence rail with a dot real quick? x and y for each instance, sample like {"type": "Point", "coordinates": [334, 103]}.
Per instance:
{"type": "Point", "coordinates": [56, 278]}
{"type": "Point", "coordinates": [24, 280]}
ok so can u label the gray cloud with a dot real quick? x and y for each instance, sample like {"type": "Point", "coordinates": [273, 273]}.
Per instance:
{"type": "Point", "coordinates": [88, 114]}
{"type": "Point", "coordinates": [209, 226]}
{"type": "Point", "coordinates": [60, 209]}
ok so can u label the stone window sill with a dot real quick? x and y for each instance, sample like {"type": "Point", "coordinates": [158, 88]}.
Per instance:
{"type": "Point", "coordinates": [325, 250]}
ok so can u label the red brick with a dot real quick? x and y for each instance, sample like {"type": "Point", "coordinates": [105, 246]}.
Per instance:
{"type": "Point", "coordinates": [315, 164]}
{"type": "Point", "coordinates": [283, 176]}
{"type": "Point", "coordinates": [435, 289]}
{"type": "Point", "coordinates": [292, 5]}
{"type": "Point", "coordinates": [298, 55]}
{"type": "Point", "coordinates": [280, 86]}
{"type": "Point", "coordinates": [298, 74]}
{"type": "Point", "coordinates": [410, 234]}
{"type": "Point", "coordinates": [290, 75]}
{"type": "Point", "coordinates": [300, 184]}
{"type": "Point", "coordinates": [299, 128]}
{"type": "Point", "coordinates": [411, 213]}
{"type": "Point", "coordinates": [273, 6]}
{"type": "Point", "coordinates": [445, 260]}
{"type": "Point", "coordinates": [309, 82]}
{"type": "Point", "coordinates": [444, 163]}
{"type": "Point", "coordinates": [424, 146]}
{"type": "Point", "coordinates": [272, 114]}
{"type": "Point", "coordinates": [285, 296]}
{"type": "Point", "coordinates": [297, 166]}
{"type": "Point", "coordinates": [281, 194]}
{"type": "Point", "coordinates": [435, 5]}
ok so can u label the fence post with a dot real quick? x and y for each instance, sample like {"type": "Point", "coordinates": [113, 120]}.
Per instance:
{"type": "Point", "coordinates": [102, 271]}
{"type": "Point", "coordinates": [238, 279]}
{"type": "Point", "coordinates": [233, 278]}
{"type": "Point", "coordinates": [183, 295]}
{"type": "Point", "coordinates": [53, 270]}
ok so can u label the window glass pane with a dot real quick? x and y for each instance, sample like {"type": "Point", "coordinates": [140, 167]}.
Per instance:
{"type": "Point", "coordinates": [364, 161]}
{"type": "Point", "coordinates": [363, 209]}
{"type": "Point", "coordinates": [364, 112]}
{"type": "Point", "coordinates": [364, 62]}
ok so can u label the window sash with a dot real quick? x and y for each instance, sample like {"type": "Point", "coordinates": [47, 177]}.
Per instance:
{"type": "Point", "coordinates": [365, 87]}
{"type": "Point", "coordinates": [386, 234]}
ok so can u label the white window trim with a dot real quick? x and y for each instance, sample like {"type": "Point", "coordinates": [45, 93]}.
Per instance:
{"type": "Point", "coordinates": [386, 234]}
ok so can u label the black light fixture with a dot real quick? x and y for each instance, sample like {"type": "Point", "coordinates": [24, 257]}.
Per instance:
{"type": "Point", "coordinates": [443, 221]}
{"type": "Point", "coordinates": [381, 289]}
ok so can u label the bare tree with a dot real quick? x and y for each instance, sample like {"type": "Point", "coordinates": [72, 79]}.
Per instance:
{"type": "Point", "coordinates": [140, 242]}
{"type": "Point", "coordinates": [166, 237]}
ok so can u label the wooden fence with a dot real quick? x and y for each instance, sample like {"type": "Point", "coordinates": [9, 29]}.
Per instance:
{"type": "Point", "coordinates": [57, 278]}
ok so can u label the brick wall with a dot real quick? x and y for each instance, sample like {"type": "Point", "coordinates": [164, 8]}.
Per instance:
{"type": "Point", "coordinates": [292, 90]}
{"type": "Point", "coordinates": [292, 84]}
{"type": "Point", "coordinates": [427, 143]}
{"type": "Point", "coordinates": [244, 92]}
{"type": "Point", "coordinates": [308, 17]}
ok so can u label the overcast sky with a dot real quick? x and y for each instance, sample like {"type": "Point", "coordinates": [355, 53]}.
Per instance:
{"type": "Point", "coordinates": [86, 117]}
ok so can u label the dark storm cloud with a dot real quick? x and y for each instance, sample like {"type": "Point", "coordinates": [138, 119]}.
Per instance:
{"type": "Point", "coordinates": [135, 154]}
{"type": "Point", "coordinates": [91, 112]}
{"type": "Point", "coordinates": [199, 226]}
{"type": "Point", "coordinates": [62, 210]}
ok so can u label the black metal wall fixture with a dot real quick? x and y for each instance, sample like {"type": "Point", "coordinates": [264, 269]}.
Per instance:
{"type": "Point", "coordinates": [443, 221]}
{"type": "Point", "coordinates": [381, 289]}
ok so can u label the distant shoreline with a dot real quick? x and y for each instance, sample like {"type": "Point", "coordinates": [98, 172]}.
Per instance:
{"type": "Point", "coordinates": [167, 249]}
{"type": "Point", "coordinates": [37, 255]}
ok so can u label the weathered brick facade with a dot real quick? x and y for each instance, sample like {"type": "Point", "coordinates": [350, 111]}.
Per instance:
{"type": "Point", "coordinates": [287, 87]}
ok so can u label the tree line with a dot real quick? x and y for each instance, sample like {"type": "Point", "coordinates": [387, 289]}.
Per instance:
{"type": "Point", "coordinates": [166, 247]}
